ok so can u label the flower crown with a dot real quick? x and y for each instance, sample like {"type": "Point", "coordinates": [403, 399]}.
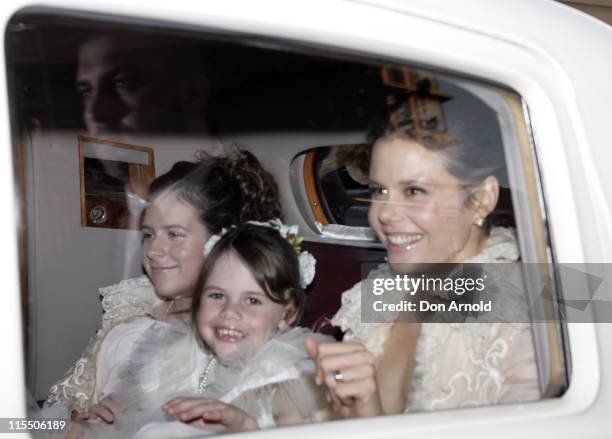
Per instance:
{"type": "Point", "coordinates": [290, 233]}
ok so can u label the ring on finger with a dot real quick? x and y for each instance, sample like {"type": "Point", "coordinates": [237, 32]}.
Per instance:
{"type": "Point", "coordinates": [338, 377]}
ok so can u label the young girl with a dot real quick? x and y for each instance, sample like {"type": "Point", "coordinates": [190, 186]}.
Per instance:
{"type": "Point", "coordinates": [246, 367]}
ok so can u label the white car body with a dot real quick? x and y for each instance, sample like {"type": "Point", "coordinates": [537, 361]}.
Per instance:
{"type": "Point", "coordinates": [556, 58]}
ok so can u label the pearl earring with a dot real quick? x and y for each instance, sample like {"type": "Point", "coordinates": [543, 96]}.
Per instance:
{"type": "Point", "coordinates": [479, 222]}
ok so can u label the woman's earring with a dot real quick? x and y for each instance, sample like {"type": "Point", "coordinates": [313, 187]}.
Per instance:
{"type": "Point", "coordinates": [479, 222]}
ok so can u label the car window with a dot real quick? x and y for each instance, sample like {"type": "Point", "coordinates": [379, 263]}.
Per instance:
{"type": "Point", "coordinates": [93, 129]}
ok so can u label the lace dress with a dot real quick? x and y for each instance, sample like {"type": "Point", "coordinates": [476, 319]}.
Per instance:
{"type": "Point", "coordinates": [167, 362]}
{"type": "Point", "coordinates": [120, 303]}
{"type": "Point", "coordinates": [458, 364]}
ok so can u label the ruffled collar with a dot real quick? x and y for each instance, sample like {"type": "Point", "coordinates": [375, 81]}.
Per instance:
{"type": "Point", "coordinates": [168, 361]}
{"type": "Point", "coordinates": [282, 358]}
{"type": "Point", "coordinates": [501, 246]}
{"type": "Point", "coordinates": [129, 298]}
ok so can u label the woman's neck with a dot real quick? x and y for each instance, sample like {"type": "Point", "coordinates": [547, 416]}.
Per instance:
{"type": "Point", "coordinates": [178, 307]}
{"type": "Point", "coordinates": [474, 246]}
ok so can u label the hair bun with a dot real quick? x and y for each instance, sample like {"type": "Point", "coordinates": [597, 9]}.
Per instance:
{"type": "Point", "coordinates": [258, 190]}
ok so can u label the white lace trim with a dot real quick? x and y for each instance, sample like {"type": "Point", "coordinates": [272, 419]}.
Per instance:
{"type": "Point", "coordinates": [348, 318]}
{"type": "Point", "coordinates": [128, 298]}
{"type": "Point", "coordinates": [429, 346]}
{"type": "Point", "coordinates": [485, 385]}
{"type": "Point", "coordinates": [75, 389]}
{"type": "Point", "coordinates": [501, 246]}
{"type": "Point", "coordinates": [479, 381]}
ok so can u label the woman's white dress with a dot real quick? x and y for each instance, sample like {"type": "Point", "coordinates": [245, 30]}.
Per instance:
{"type": "Point", "coordinates": [121, 303]}
{"type": "Point", "coordinates": [459, 364]}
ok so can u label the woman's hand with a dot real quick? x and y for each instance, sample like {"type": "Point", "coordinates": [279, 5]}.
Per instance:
{"type": "Point", "coordinates": [106, 411]}
{"type": "Point", "coordinates": [348, 371]}
{"type": "Point", "coordinates": [210, 414]}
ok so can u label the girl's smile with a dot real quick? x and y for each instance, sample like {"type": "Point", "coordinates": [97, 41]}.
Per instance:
{"type": "Point", "coordinates": [236, 316]}
{"type": "Point", "coordinates": [228, 335]}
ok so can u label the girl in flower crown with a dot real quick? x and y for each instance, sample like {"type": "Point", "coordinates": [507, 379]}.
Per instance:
{"type": "Point", "coordinates": [246, 367]}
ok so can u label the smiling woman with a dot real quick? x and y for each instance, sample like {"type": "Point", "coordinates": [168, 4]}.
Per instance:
{"type": "Point", "coordinates": [432, 194]}
{"type": "Point", "coordinates": [172, 243]}
{"type": "Point", "coordinates": [421, 212]}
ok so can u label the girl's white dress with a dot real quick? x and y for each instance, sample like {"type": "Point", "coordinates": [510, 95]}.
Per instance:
{"type": "Point", "coordinates": [168, 361]}
{"type": "Point", "coordinates": [459, 364]}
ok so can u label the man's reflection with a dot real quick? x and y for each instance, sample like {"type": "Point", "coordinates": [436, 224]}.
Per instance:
{"type": "Point", "coordinates": [131, 83]}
